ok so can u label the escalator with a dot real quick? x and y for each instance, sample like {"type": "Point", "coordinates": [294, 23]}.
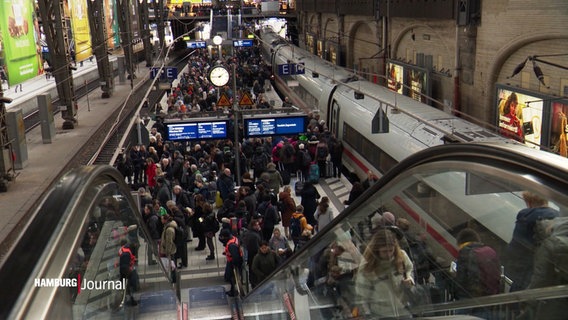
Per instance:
{"type": "Point", "coordinates": [77, 231]}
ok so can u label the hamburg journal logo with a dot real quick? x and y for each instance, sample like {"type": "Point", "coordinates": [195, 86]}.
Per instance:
{"type": "Point", "coordinates": [86, 284]}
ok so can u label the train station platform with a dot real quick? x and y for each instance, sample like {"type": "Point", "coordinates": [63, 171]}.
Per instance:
{"type": "Point", "coordinates": [46, 162]}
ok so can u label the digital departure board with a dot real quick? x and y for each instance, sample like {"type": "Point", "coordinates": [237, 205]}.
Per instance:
{"type": "Point", "coordinates": [196, 44]}
{"type": "Point", "coordinates": [286, 125]}
{"type": "Point", "coordinates": [196, 130]}
{"type": "Point", "coordinates": [242, 43]}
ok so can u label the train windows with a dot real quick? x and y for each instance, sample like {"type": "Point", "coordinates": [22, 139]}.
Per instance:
{"type": "Point", "coordinates": [370, 152]}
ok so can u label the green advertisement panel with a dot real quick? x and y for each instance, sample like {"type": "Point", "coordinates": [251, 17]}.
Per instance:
{"type": "Point", "coordinates": [81, 30]}
{"type": "Point", "coordinates": [18, 40]}
{"type": "Point", "coordinates": [112, 38]}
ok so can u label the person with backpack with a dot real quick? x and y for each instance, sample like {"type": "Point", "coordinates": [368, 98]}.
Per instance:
{"type": "Point", "coordinates": [298, 223]}
{"type": "Point", "coordinates": [259, 162]}
{"type": "Point", "coordinates": [551, 268]}
{"type": "Point", "coordinates": [270, 216]}
{"type": "Point", "coordinates": [478, 270]}
{"type": "Point", "coordinates": [273, 177]}
{"type": "Point", "coordinates": [520, 252]}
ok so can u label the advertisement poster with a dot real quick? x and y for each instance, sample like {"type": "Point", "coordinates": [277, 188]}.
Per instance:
{"type": "Point", "coordinates": [395, 77]}
{"type": "Point", "coordinates": [18, 40]}
{"type": "Point", "coordinates": [559, 128]}
{"type": "Point", "coordinates": [520, 117]}
{"type": "Point", "coordinates": [112, 38]}
{"type": "Point", "coordinates": [81, 31]}
{"type": "Point", "coordinates": [135, 28]}
{"type": "Point", "coordinates": [418, 83]}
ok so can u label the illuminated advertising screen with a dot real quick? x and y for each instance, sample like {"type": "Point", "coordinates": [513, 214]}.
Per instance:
{"type": "Point", "coordinates": [395, 77]}
{"type": "Point", "coordinates": [418, 85]}
{"type": "Point", "coordinates": [559, 128]}
{"type": "Point", "coordinates": [520, 116]}
{"type": "Point", "coordinates": [81, 30]}
{"type": "Point", "coordinates": [242, 43]}
{"type": "Point", "coordinates": [17, 28]}
{"type": "Point", "coordinates": [196, 130]}
{"type": "Point", "coordinates": [257, 127]}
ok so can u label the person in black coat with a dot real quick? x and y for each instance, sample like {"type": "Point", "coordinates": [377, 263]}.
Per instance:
{"type": "Point", "coordinates": [310, 196]}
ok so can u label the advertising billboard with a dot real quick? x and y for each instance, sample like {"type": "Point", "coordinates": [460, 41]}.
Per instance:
{"type": "Point", "coordinates": [18, 40]}
{"type": "Point", "coordinates": [559, 128]}
{"type": "Point", "coordinates": [111, 21]}
{"type": "Point", "coordinates": [81, 31]}
{"type": "Point", "coordinates": [275, 126]}
{"type": "Point", "coordinates": [410, 80]}
{"type": "Point", "coordinates": [197, 130]}
{"type": "Point", "coordinates": [395, 77]}
{"type": "Point", "coordinates": [520, 116]}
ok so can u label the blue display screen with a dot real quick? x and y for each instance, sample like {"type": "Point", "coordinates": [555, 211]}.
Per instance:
{"type": "Point", "coordinates": [197, 130]}
{"type": "Point", "coordinates": [275, 126]}
{"type": "Point", "coordinates": [196, 44]}
{"type": "Point", "coordinates": [242, 43]}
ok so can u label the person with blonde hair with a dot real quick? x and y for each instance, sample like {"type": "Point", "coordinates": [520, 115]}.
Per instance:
{"type": "Point", "coordinates": [382, 275]}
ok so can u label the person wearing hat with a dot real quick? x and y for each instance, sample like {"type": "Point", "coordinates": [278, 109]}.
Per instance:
{"type": "Point", "coordinates": [234, 256]}
{"type": "Point", "coordinates": [303, 161]}
{"type": "Point", "coordinates": [275, 180]}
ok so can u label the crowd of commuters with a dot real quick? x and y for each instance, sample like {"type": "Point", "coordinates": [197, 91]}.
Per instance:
{"type": "Point", "coordinates": [187, 188]}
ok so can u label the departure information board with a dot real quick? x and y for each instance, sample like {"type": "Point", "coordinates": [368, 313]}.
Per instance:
{"type": "Point", "coordinates": [196, 130]}
{"type": "Point", "coordinates": [288, 125]}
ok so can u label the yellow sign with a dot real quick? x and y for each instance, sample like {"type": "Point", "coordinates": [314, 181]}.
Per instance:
{"type": "Point", "coordinates": [223, 101]}
{"type": "Point", "coordinates": [246, 100]}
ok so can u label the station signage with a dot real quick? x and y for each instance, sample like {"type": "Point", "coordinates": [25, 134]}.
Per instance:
{"type": "Point", "coordinates": [287, 69]}
{"type": "Point", "coordinates": [242, 43]}
{"type": "Point", "coordinates": [275, 126]}
{"type": "Point", "coordinates": [196, 44]}
{"type": "Point", "coordinates": [197, 130]}
{"type": "Point", "coordinates": [166, 73]}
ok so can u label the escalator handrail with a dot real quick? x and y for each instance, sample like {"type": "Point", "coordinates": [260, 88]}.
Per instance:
{"type": "Point", "coordinates": [510, 155]}
{"type": "Point", "coordinates": [53, 220]}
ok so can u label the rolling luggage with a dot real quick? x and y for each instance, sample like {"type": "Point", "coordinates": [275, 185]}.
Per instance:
{"type": "Point", "coordinates": [299, 185]}
{"type": "Point", "coordinates": [314, 173]}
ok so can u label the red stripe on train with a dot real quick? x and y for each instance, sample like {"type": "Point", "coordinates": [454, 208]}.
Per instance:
{"type": "Point", "coordinates": [433, 232]}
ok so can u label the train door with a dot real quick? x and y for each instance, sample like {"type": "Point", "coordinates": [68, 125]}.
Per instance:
{"type": "Point", "coordinates": [334, 118]}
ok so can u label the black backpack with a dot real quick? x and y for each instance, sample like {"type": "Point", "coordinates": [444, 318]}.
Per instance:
{"type": "Point", "coordinates": [259, 162]}
{"type": "Point", "coordinates": [180, 235]}
{"type": "Point", "coordinates": [295, 227]}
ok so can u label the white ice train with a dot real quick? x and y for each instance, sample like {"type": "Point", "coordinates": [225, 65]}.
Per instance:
{"type": "Point", "coordinates": [349, 104]}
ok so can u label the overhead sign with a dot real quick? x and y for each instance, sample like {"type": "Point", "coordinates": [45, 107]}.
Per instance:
{"type": "Point", "coordinates": [291, 69]}
{"type": "Point", "coordinates": [246, 100]}
{"type": "Point", "coordinates": [197, 130]}
{"type": "Point", "coordinates": [242, 43]}
{"type": "Point", "coordinates": [223, 101]}
{"type": "Point", "coordinates": [196, 44]}
{"type": "Point", "coordinates": [285, 125]}
{"type": "Point", "coordinates": [167, 73]}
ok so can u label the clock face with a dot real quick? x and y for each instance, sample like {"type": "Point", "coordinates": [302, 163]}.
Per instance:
{"type": "Point", "coordinates": [219, 76]}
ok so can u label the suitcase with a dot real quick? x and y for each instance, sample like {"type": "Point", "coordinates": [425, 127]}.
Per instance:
{"type": "Point", "coordinates": [328, 169]}
{"type": "Point", "coordinates": [299, 185]}
{"type": "Point", "coordinates": [314, 173]}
